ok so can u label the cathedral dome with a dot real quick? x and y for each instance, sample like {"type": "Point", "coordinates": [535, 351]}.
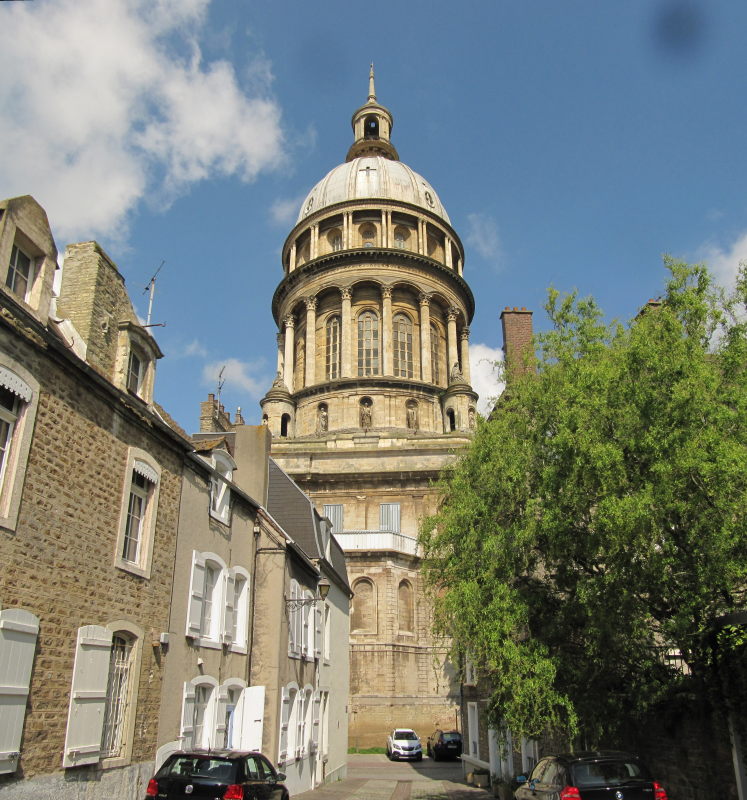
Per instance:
{"type": "Point", "coordinates": [373, 177]}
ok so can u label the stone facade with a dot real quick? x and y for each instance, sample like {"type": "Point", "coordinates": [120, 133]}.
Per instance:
{"type": "Point", "coordinates": [94, 583]}
{"type": "Point", "coordinates": [371, 401]}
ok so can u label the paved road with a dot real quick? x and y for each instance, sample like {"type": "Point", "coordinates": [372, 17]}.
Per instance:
{"type": "Point", "coordinates": [374, 777]}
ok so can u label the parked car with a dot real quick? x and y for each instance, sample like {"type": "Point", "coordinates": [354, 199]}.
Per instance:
{"type": "Point", "coordinates": [600, 775]}
{"type": "Point", "coordinates": [444, 744]}
{"type": "Point", "coordinates": [226, 774]}
{"type": "Point", "coordinates": [404, 743]}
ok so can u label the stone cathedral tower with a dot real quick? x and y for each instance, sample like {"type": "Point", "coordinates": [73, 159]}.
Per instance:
{"type": "Point", "coordinates": [372, 398]}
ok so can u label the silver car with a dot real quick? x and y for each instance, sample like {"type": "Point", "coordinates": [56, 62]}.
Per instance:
{"type": "Point", "coordinates": [404, 743]}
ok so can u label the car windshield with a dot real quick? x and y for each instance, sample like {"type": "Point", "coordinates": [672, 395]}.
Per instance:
{"type": "Point", "coordinates": [220, 770]}
{"type": "Point", "coordinates": [452, 737]}
{"type": "Point", "coordinates": [606, 773]}
{"type": "Point", "coordinates": [408, 735]}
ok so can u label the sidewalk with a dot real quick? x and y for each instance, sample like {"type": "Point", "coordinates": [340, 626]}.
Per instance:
{"type": "Point", "coordinates": [374, 777]}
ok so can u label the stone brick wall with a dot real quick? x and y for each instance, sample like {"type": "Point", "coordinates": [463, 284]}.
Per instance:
{"type": "Point", "coordinates": [58, 562]}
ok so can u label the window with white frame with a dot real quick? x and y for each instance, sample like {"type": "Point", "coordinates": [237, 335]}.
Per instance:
{"type": "Point", "coordinates": [288, 723]}
{"type": "Point", "coordinates": [19, 399]}
{"type": "Point", "coordinates": [308, 625]}
{"type": "Point", "coordinates": [307, 709]}
{"type": "Point", "coordinates": [220, 493]}
{"type": "Point", "coordinates": [136, 367]}
{"type": "Point", "coordinates": [18, 633]}
{"type": "Point", "coordinates": [389, 517]}
{"type": "Point", "coordinates": [117, 695]}
{"type": "Point", "coordinates": [333, 348]}
{"type": "Point", "coordinates": [237, 608]}
{"type": "Point", "coordinates": [103, 695]}
{"type": "Point", "coordinates": [227, 710]}
{"type": "Point", "coordinates": [296, 640]}
{"type": "Point", "coordinates": [138, 517]}
{"type": "Point", "coordinates": [20, 276]}
{"type": "Point", "coordinates": [205, 615]}
{"type": "Point", "coordinates": [402, 345]}
{"type": "Point", "coordinates": [199, 714]}
{"type": "Point", "coordinates": [368, 343]}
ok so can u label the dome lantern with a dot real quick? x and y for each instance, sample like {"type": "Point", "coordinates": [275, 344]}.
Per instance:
{"type": "Point", "coordinates": [372, 127]}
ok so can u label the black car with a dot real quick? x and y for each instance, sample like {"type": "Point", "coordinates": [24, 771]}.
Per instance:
{"type": "Point", "coordinates": [599, 775]}
{"type": "Point", "coordinates": [444, 744]}
{"type": "Point", "coordinates": [226, 774]}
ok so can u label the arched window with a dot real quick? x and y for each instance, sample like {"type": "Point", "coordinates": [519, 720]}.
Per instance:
{"type": "Point", "coordinates": [119, 689]}
{"type": "Point", "coordinates": [451, 419]}
{"type": "Point", "coordinates": [284, 423]}
{"type": "Point", "coordinates": [368, 344]}
{"type": "Point", "coordinates": [334, 237]}
{"type": "Point", "coordinates": [368, 235]}
{"type": "Point", "coordinates": [364, 606]}
{"type": "Point", "coordinates": [333, 348]}
{"type": "Point", "coordinates": [402, 329]}
{"type": "Point", "coordinates": [371, 128]}
{"type": "Point", "coordinates": [401, 235]}
{"type": "Point", "coordinates": [435, 354]}
{"type": "Point", "coordinates": [405, 607]}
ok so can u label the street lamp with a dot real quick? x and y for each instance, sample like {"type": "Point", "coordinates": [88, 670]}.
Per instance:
{"type": "Point", "coordinates": [295, 603]}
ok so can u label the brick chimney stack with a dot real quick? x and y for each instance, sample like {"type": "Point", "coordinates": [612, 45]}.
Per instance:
{"type": "Point", "coordinates": [517, 338]}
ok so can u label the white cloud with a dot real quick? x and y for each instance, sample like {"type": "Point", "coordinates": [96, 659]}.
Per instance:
{"type": "Point", "coordinates": [245, 376]}
{"type": "Point", "coordinates": [108, 102]}
{"type": "Point", "coordinates": [724, 261]}
{"type": "Point", "coordinates": [485, 375]}
{"type": "Point", "coordinates": [284, 212]}
{"type": "Point", "coordinates": [195, 348]}
{"type": "Point", "coordinates": [482, 234]}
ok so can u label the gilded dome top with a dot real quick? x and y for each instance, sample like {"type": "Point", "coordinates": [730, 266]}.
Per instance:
{"type": "Point", "coordinates": [373, 177]}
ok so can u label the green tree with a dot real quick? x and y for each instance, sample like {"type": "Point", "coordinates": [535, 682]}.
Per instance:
{"type": "Point", "coordinates": [598, 517]}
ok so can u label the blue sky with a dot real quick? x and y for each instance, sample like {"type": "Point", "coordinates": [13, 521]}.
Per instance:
{"type": "Point", "coordinates": [572, 144]}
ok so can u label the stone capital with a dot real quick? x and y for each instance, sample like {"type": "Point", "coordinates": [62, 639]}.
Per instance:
{"type": "Point", "coordinates": [464, 333]}
{"type": "Point", "coordinates": [386, 292]}
{"type": "Point", "coordinates": [346, 293]}
{"type": "Point", "coordinates": [311, 303]}
{"type": "Point", "coordinates": [425, 298]}
{"type": "Point", "coordinates": [289, 321]}
{"type": "Point", "coordinates": [452, 313]}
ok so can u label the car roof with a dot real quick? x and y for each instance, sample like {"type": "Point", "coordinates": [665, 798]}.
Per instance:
{"type": "Point", "coordinates": [216, 752]}
{"type": "Point", "coordinates": [597, 755]}
{"type": "Point", "coordinates": [403, 730]}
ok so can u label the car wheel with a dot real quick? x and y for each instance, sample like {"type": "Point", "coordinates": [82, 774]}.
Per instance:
{"type": "Point", "coordinates": [420, 757]}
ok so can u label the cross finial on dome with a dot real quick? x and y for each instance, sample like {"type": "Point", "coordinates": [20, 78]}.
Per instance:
{"type": "Point", "coordinates": [371, 90]}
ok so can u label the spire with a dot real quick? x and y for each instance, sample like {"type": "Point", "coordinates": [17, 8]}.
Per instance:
{"type": "Point", "coordinates": [371, 89]}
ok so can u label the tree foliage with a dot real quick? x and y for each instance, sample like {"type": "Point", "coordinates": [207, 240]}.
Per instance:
{"type": "Point", "coordinates": [598, 517]}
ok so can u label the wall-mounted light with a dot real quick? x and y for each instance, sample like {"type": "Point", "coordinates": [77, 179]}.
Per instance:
{"type": "Point", "coordinates": [322, 587]}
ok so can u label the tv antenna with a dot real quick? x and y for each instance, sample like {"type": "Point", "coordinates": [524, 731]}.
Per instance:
{"type": "Point", "coordinates": [221, 381]}
{"type": "Point", "coordinates": [151, 287]}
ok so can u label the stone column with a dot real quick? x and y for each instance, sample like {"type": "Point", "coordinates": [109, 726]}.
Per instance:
{"type": "Point", "coordinates": [451, 317]}
{"type": "Point", "coordinates": [290, 344]}
{"type": "Point", "coordinates": [447, 251]}
{"type": "Point", "coordinates": [387, 355]}
{"type": "Point", "coordinates": [386, 228]}
{"type": "Point", "coordinates": [347, 338]}
{"type": "Point", "coordinates": [310, 341]}
{"type": "Point", "coordinates": [279, 340]}
{"type": "Point", "coordinates": [346, 230]}
{"type": "Point", "coordinates": [422, 248]}
{"type": "Point", "coordinates": [314, 246]}
{"type": "Point", "coordinates": [425, 338]}
{"type": "Point", "coordinates": [292, 264]}
{"type": "Point", "coordinates": [464, 342]}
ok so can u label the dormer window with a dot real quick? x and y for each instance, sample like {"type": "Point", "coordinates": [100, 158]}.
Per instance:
{"type": "Point", "coordinates": [20, 273]}
{"type": "Point", "coordinates": [135, 373]}
{"type": "Point", "coordinates": [220, 493]}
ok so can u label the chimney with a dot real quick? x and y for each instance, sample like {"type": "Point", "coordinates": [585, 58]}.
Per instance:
{"type": "Point", "coordinates": [213, 417]}
{"type": "Point", "coordinates": [517, 339]}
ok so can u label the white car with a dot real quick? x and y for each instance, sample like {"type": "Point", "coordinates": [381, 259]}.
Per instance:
{"type": "Point", "coordinates": [404, 743]}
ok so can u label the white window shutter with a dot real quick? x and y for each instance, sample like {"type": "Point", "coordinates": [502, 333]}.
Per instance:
{"type": "Point", "coordinates": [85, 721]}
{"type": "Point", "coordinates": [300, 719]}
{"type": "Point", "coordinates": [285, 710]}
{"type": "Point", "coordinates": [220, 717]}
{"type": "Point", "coordinates": [18, 632]}
{"type": "Point", "coordinates": [186, 734]}
{"type": "Point", "coordinates": [196, 594]}
{"type": "Point", "coordinates": [249, 718]}
{"type": "Point", "coordinates": [318, 631]}
{"type": "Point", "coordinates": [307, 629]}
{"type": "Point", "coordinates": [293, 617]}
{"type": "Point", "coordinates": [229, 611]}
{"type": "Point", "coordinates": [315, 722]}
